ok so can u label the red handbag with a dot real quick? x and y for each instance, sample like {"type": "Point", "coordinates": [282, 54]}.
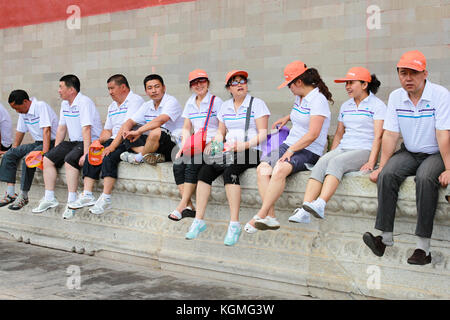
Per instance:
{"type": "Point", "coordinates": [197, 142]}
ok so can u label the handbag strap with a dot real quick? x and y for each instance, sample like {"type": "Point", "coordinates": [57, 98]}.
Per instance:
{"type": "Point", "coordinates": [247, 119]}
{"type": "Point", "coordinates": [209, 113]}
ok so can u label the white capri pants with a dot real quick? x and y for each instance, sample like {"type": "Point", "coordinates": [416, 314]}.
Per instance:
{"type": "Point", "coordinates": [338, 162]}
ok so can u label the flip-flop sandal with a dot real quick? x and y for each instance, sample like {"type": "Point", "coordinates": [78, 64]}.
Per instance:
{"type": "Point", "coordinates": [176, 214]}
{"type": "Point", "coordinates": [188, 213]}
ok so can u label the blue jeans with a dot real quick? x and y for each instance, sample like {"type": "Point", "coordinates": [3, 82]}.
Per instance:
{"type": "Point", "coordinates": [10, 161]}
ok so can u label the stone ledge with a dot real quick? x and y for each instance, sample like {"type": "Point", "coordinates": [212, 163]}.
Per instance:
{"type": "Point", "coordinates": [325, 259]}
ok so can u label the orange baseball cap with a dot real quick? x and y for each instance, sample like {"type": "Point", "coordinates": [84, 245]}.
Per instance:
{"type": "Point", "coordinates": [233, 73]}
{"type": "Point", "coordinates": [35, 159]}
{"type": "Point", "coordinates": [197, 73]}
{"type": "Point", "coordinates": [95, 155]}
{"type": "Point", "coordinates": [413, 60]}
{"type": "Point", "coordinates": [292, 71]}
{"type": "Point", "coordinates": [356, 73]}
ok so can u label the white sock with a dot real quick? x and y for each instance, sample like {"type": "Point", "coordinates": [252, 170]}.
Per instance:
{"type": "Point", "coordinates": [321, 203]}
{"type": "Point", "coordinates": [24, 194]}
{"type": "Point", "coordinates": [49, 195]}
{"type": "Point", "coordinates": [424, 244]}
{"type": "Point", "coordinates": [87, 193]}
{"type": "Point", "coordinates": [11, 190]}
{"type": "Point", "coordinates": [200, 221]}
{"type": "Point", "coordinates": [72, 196]}
{"type": "Point", "coordinates": [388, 238]}
{"type": "Point", "coordinates": [107, 197]}
{"type": "Point", "coordinates": [235, 223]}
{"type": "Point", "coordinates": [139, 157]}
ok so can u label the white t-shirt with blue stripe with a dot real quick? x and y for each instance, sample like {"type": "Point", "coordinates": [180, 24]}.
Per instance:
{"type": "Point", "coordinates": [418, 124]}
{"type": "Point", "coordinates": [235, 121]}
{"type": "Point", "coordinates": [359, 122]}
{"type": "Point", "coordinates": [197, 115]}
{"type": "Point", "coordinates": [313, 104]}
{"type": "Point", "coordinates": [117, 115]}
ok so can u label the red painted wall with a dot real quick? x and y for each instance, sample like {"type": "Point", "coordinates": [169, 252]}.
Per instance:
{"type": "Point", "coordinates": [15, 13]}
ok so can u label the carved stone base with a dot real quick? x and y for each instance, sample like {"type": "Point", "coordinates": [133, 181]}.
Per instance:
{"type": "Point", "coordinates": [325, 259]}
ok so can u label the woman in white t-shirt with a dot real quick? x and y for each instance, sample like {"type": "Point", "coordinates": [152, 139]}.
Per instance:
{"type": "Point", "coordinates": [243, 145]}
{"type": "Point", "coordinates": [186, 167]}
{"type": "Point", "coordinates": [355, 146]}
{"type": "Point", "coordinates": [310, 117]}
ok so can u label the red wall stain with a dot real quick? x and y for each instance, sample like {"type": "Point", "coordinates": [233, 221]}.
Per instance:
{"type": "Point", "coordinates": [15, 13]}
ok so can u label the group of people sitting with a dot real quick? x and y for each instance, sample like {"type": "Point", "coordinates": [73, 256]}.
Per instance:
{"type": "Point", "coordinates": [210, 137]}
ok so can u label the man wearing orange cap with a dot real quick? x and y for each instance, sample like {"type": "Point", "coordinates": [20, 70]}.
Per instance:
{"type": "Point", "coordinates": [39, 119]}
{"type": "Point", "coordinates": [420, 112]}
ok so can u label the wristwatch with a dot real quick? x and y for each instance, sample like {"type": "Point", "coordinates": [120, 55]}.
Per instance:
{"type": "Point", "coordinates": [290, 150]}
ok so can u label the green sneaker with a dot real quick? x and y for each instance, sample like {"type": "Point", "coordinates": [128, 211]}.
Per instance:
{"type": "Point", "coordinates": [195, 229]}
{"type": "Point", "coordinates": [232, 236]}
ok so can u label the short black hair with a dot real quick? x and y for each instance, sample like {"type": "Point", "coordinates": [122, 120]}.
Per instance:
{"type": "Point", "coordinates": [18, 96]}
{"type": "Point", "coordinates": [71, 81]}
{"type": "Point", "coordinates": [119, 79]}
{"type": "Point", "coordinates": [153, 77]}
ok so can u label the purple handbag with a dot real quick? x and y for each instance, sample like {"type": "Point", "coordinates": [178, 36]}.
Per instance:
{"type": "Point", "coordinates": [274, 140]}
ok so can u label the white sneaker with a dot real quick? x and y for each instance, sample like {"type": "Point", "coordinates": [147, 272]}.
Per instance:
{"type": "Point", "coordinates": [100, 206]}
{"type": "Point", "coordinates": [129, 157]}
{"type": "Point", "coordinates": [82, 201]}
{"type": "Point", "coordinates": [68, 213]}
{"type": "Point", "coordinates": [44, 205]}
{"type": "Point", "coordinates": [268, 223]}
{"type": "Point", "coordinates": [249, 228]}
{"type": "Point", "coordinates": [300, 216]}
{"type": "Point", "coordinates": [314, 209]}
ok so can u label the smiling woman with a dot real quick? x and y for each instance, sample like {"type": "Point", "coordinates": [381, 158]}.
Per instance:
{"type": "Point", "coordinates": [24, 12]}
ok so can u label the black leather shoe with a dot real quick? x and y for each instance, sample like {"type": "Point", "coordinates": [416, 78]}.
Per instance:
{"type": "Point", "coordinates": [419, 258]}
{"type": "Point", "coordinates": [374, 243]}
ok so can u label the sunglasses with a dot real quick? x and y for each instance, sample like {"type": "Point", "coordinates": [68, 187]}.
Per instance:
{"type": "Point", "coordinates": [198, 81]}
{"type": "Point", "coordinates": [235, 82]}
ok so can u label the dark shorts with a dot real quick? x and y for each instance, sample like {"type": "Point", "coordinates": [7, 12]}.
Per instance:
{"type": "Point", "coordinates": [210, 172]}
{"type": "Point", "coordinates": [186, 169]}
{"type": "Point", "coordinates": [3, 148]}
{"type": "Point", "coordinates": [297, 161]}
{"type": "Point", "coordinates": [66, 151]}
{"type": "Point", "coordinates": [167, 143]}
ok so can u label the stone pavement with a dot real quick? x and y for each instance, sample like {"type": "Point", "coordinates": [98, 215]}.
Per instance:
{"type": "Point", "coordinates": [34, 273]}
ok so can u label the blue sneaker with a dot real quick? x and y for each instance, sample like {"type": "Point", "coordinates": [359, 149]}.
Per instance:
{"type": "Point", "coordinates": [195, 229]}
{"type": "Point", "coordinates": [315, 209]}
{"type": "Point", "coordinates": [232, 236]}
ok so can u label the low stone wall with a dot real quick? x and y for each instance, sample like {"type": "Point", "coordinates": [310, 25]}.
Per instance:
{"type": "Point", "coordinates": [325, 259]}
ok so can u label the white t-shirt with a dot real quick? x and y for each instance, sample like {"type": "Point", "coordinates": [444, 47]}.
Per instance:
{"type": "Point", "coordinates": [169, 106]}
{"type": "Point", "coordinates": [418, 124]}
{"type": "Point", "coordinates": [81, 113]}
{"type": "Point", "coordinates": [40, 115]}
{"type": "Point", "coordinates": [117, 115]}
{"type": "Point", "coordinates": [5, 127]}
{"type": "Point", "coordinates": [313, 104]}
{"type": "Point", "coordinates": [359, 122]}
{"type": "Point", "coordinates": [235, 121]}
{"type": "Point", "coordinates": [198, 115]}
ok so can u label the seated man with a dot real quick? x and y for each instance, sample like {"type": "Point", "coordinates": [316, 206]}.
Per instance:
{"type": "Point", "coordinates": [125, 104]}
{"type": "Point", "coordinates": [39, 119]}
{"type": "Point", "coordinates": [5, 130]}
{"type": "Point", "coordinates": [161, 125]}
{"type": "Point", "coordinates": [79, 119]}
{"type": "Point", "coordinates": [420, 112]}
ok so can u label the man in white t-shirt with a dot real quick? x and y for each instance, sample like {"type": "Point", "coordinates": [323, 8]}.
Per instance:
{"type": "Point", "coordinates": [124, 106]}
{"type": "Point", "coordinates": [5, 130]}
{"type": "Point", "coordinates": [80, 120]}
{"type": "Point", "coordinates": [39, 119]}
{"type": "Point", "coordinates": [160, 121]}
{"type": "Point", "coordinates": [420, 112]}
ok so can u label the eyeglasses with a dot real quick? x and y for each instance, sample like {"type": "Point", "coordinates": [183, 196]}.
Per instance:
{"type": "Point", "coordinates": [198, 81]}
{"type": "Point", "coordinates": [235, 82]}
